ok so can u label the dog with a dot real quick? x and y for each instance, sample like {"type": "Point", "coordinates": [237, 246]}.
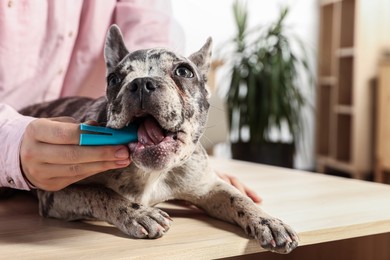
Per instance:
{"type": "Point", "coordinates": [166, 95]}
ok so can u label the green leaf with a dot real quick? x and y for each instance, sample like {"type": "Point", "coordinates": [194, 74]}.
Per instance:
{"type": "Point", "coordinates": [265, 63]}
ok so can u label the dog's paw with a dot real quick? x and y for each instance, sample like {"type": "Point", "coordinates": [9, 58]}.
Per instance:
{"type": "Point", "coordinates": [144, 222]}
{"type": "Point", "coordinates": [273, 235]}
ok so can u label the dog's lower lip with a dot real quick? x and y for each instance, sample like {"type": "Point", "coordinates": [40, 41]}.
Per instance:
{"type": "Point", "coordinates": [151, 135]}
{"type": "Point", "coordinates": [165, 144]}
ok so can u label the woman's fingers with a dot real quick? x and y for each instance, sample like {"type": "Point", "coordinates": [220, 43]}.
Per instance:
{"type": "Point", "coordinates": [46, 176]}
{"type": "Point", "coordinates": [72, 154]}
{"type": "Point", "coordinates": [53, 132]}
{"type": "Point", "coordinates": [65, 119]}
{"type": "Point", "coordinates": [80, 170]}
{"type": "Point", "coordinates": [241, 187]}
{"type": "Point", "coordinates": [253, 195]}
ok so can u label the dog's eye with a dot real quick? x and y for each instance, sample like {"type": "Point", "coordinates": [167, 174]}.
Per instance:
{"type": "Point", "coordinates": [113, 79]}
{"type": "Point", "coordinates": [184, 72]}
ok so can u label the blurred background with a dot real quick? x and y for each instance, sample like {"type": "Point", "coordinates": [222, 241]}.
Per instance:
{"type": "Point", "coordinates": [303, 80]}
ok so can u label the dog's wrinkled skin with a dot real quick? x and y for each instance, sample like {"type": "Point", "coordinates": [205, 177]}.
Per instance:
{"type": "Point", "coordinates": [166, 95]}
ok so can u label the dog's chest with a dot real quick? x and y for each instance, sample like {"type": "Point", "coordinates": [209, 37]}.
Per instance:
{"type": "Point", "coordinates": [155, 189]}
{"type": "Point", "coordinates": [146, 188]}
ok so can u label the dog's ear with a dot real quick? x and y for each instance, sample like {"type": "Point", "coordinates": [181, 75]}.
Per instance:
{"type": "Point", "coordinates": [114, 49]}
{"type": "Point", "coordinates": [202, 58]}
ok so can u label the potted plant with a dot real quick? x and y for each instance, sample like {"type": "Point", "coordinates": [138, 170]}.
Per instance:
{"type": "Point", "coordinates": [264, 93]}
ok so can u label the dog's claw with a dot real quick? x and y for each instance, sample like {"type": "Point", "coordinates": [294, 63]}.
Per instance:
{"type": "Point", "coordinates": [144, 222]}
{"type": "Point", "coordinates": [275, 236]}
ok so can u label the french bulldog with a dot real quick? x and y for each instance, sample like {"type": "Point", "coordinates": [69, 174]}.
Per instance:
{"type": "Point", "coordinates": [166, 95]}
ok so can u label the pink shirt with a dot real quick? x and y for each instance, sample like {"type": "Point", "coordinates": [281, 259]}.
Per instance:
{"type": "Point", "coordinates": [54, 48]}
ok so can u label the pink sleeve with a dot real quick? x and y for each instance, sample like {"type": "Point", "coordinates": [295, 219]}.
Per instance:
{"type": "Point", "coordinates": [12, 126]}
{"type": "Point", "coordinates": [148, 24]}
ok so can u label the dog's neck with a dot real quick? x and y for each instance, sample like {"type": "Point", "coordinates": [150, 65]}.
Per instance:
{"type": "Point", "coordinates": [98, 111]}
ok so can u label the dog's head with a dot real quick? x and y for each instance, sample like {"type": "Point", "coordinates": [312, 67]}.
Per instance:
{"type": "Point", "coordinates": [161, 91]}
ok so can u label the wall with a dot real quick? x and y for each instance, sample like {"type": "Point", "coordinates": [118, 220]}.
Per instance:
{"type": "Point", "coordinates": [203, 18]}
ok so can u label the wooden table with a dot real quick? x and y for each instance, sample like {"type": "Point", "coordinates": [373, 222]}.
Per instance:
{"type": "Point", "coordinates": [321, 208]}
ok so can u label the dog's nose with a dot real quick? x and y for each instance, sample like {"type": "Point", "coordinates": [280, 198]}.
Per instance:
{"type": "Point", "coordinates": [143, 84]}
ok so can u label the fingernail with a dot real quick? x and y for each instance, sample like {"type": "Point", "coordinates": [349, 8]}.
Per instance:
{"type": "Point", "coordinates": [122, 153]}
{"type": "Point", "coordinates": [123, 162]}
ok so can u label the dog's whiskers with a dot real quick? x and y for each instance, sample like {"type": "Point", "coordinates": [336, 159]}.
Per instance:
{"type": "Point", "coordinates": [208, 140]}
{"type": "Point", "coordinates": [217, 108]}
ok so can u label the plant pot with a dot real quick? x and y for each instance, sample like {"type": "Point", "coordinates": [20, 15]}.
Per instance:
{"type": "Point", "coordinates": [277, 154]}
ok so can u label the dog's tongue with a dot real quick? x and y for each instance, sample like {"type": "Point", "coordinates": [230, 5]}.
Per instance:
{"type": "Point", "coordinates": [150, 132]}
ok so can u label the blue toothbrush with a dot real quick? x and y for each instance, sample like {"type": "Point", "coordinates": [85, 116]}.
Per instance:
{"type": "Point", "coordinates": [98, 135]}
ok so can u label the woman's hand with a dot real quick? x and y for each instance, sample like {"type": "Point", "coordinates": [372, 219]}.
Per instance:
{"type": "Point", "coordinates": [240, 186]}
{"type": "Point", "coordinates": [52, 159]}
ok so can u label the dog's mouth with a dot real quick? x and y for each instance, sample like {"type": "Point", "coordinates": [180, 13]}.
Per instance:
{"type": "Point", "coordinates": [151, 134]}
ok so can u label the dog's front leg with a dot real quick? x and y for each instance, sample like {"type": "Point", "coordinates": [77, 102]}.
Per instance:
{"type": "Point", "coordinates": [83, 202]}
{"type": "Point", "coordinates": [227, 203]}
